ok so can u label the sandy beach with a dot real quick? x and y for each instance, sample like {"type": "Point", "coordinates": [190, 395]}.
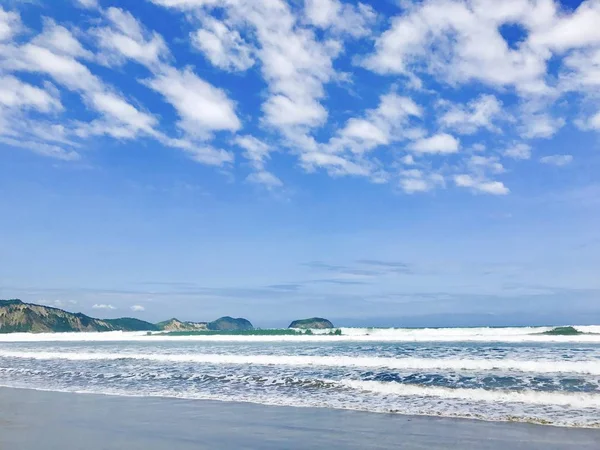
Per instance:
{"type": "Point", "coordinates": [52, 420]}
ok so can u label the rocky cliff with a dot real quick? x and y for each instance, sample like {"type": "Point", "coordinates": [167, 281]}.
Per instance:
{"type": "Point", "coordinates": [178, 325]}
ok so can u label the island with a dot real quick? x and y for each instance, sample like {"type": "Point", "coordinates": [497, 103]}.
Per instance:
{"type": "Point", "coordinates": [230, 324]}
{"type": "Point", "coordinates": [315, 323]}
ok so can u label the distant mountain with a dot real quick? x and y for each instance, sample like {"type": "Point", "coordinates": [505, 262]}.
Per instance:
{"type": "Point", "coordinates": [229, 323]}
{"type": "Point", "coordinates": [19, 317]}
{"type": "Point", "coordinates": [178, 325]}
{"type": "Point", "coordinates": [16, 316]}
{"type": "Point", "coordinates": [316, 323]}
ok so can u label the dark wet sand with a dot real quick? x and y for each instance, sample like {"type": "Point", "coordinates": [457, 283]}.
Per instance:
{"type": "Point", "coordinates": [59, 421]}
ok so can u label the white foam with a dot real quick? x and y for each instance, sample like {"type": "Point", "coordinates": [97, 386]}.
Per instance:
{"type": "Point", "coordinates": [576, 400]}
{"type": "Point", "coordinates": [445, 364]}
{"type": "Point", "coordinates": [509, 334]}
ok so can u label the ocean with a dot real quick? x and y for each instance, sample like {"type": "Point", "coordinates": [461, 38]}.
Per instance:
{"type": "Point", "coordinates": [495, 374]}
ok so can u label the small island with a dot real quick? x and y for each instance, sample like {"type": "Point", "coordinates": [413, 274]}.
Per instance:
{"type": "Point", "coordinates": [315, 323]}
{"type": "Point", "coordinates": [230, 324]}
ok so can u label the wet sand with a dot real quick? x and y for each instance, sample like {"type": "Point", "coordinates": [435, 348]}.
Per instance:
{"type": "Point", "coordinates": [62, 421]}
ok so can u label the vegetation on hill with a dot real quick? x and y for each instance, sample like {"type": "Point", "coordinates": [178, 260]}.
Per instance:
{"type": "Point", "coordinates": [131, 324]}
{"type": "Point", "coordinates": [19, 317]}
{"type": "Point", "coordinates": [563, 331]}
{"type": "Point", "coordinates": [229, 324]}
{"type": "Point", "coordinates": [316, 323]}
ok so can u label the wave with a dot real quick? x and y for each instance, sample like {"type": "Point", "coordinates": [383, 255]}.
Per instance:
{"type": "Point", "coordinates": [576, 400]}
{"type": "Point", "coordinates": [446, 364]}
{"type": "Point", "coordinates": [591, 334]}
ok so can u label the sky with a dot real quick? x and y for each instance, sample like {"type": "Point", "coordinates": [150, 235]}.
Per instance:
{"type": "Point", "coordinates": [408, 163]}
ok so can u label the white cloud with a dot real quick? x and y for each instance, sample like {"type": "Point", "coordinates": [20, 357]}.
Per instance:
{"type": "Point", "coordinates": [138, 308]}
{"type": "Point", "coordinates": [354, 20]}
{"type": "Point", "coordinates": [265, 178]}
{"type": "Point", "coordinates": [42, 148]}
{"type": "Point", "coordinates": [557, 160]}
{"type": "Point", "coordinates": [200, 152]}
{"type": "Point", "coordinates": [55, 53]}
{"type": "Point", "coordinates": [485, 163]}
{"type": "Point", "coordinates": [255, 150]}
{"type": "Point", "coordinates": [581, 70]}
{"type": "Point", "coordinates": [439, 143]}
{"type": "Point", "coordinates": [223, 46]}
{"type": "Point", "coordinates": [88, 4]}
{"type": "Point", "coordinates": [594, 121]}
{"type": "Point", "coordinates": [460, 41]}
{"type": "Point", "coordinates": [103, 306]}
{"type": "Point", "coordinates": [479, 113]}
{"type": "Point", "coordinates": [125, 38]}
{"type": "Point", "coordinates": [202, 107]}
{"type": "Point", "coordinates": [60, 40]}
{"type": "Point", "coordinates": [591, 123]}
{"type": "Point", "coordinates": [257, 153]}
{"type": "Point", "coordinates": [518, 151]}
{"type": "Point", "coordinates": [541, 126]}
{"type": "Point", "coordinates": [483, 186]}
{"type": "Point", "coordinates": [380, 126]}
{"type": "Point", "coordinates": [568, 31]}
{"type": "Point", "coordinates": [10, 24]}
{"type": "Point", "coordinates": [415, 180]}
{"type": "Point", "coordinates": [295, 64]}
{"type": "Point", "coordinates": [454, 43]}
{"type": "Point", "coordinates": [63, 68]}
{"type": "Point", "coordinates": [17, 94]}
{"type": "Point", "coordinates": [335, 165]}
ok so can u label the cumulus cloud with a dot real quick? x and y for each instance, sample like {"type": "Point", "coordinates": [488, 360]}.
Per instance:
{"type": "Point", "coordinates": [439, 143]}
{"type": "Point", "coordinates": [380, 126]}
{"type": "Point", "coordinates": [452, 73]}
{"type": "Point", "coordinates": [138, 308]}
{"type": "Point", "coordinates": [103, 306]}
{"type": "Point", "coordinates": [469, 118]}
{"type": "Point", "coordinates": [479, 185]}
{"type": "Point", "coordinates": [518, 151]}
{"type": "Point", "coordinates": [460, 41]}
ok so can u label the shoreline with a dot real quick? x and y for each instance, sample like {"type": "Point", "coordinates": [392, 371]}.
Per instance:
{"type": "Point", "coordinates": [65, 420]}
{"type": "Point", "coordinates": [468, 418]}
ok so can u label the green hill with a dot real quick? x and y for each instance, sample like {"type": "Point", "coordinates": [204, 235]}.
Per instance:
{"type": "Point", "coordinates": [19, 317]}
{"type": "Point", "coordinates": [316, 323]}
{"type": "Point", "coordinates": [229, 323]}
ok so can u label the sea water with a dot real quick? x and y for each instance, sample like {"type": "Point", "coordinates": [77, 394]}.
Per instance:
{"type": "Point", "coordinates": [503, 374]}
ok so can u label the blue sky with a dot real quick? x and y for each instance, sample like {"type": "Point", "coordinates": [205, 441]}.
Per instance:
{"type": "Point", "coordinates": [391, 162]}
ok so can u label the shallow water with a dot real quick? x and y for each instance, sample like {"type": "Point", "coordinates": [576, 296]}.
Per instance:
{"type": "Point", "coordinates": [492, 374]}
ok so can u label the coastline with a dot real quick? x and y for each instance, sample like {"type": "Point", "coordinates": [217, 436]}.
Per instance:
{"type": "Point", "coordinates": [68, 421]}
